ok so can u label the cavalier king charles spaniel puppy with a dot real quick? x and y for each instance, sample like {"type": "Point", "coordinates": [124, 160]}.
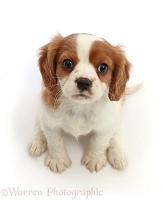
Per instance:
{"type": "Point", "coordinates": [84, 82]}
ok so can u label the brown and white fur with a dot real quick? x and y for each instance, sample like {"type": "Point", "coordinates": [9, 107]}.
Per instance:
{"type": "Point", "coordinates": [84, 80]}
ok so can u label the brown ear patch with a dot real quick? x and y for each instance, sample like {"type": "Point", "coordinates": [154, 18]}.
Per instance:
{"type": "Point", "coordinates": [120, 75]}
{"type": "Point", "coordinates": [47, 66]}
{"type": "Point", "coordinates": [47, 63]}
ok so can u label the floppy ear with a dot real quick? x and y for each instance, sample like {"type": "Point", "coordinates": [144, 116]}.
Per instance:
{"type": "Point", "coordinates": [120, 75]}
{"type": "Point", "coordinates": [47, 63]}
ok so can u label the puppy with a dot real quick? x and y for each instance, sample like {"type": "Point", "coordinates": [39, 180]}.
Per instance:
{"type": "Point", "coordinates": [84, 81]}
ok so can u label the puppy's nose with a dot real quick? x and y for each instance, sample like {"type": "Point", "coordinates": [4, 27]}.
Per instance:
{"type": "Point", "coordinates": [83, 83]}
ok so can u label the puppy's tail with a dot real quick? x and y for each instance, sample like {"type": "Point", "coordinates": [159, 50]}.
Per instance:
{"type": "Point", "coordinates": [134, 88]}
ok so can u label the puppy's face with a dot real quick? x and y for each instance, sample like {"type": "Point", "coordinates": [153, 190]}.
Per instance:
{"type": "Point", "coordinates": [82, 68]}
{"type": "Point", "coordinates": [84, 71]}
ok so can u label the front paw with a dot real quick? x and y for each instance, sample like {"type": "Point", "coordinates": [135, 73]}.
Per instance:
{"type": "Point", "coordinates": [117, 158]}
{"type": "Point", "coordinates": [58, 163]}
{"type": "Point", "coordinates": [37, 146]}
{"type": "Point", "coordinates": [94, 162]}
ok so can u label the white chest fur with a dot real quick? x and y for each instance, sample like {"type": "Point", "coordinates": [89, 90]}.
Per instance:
{"type": "Point", "coordinates": [80, 119]}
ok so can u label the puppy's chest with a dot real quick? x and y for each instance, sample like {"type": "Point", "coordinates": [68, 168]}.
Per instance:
{"type": "Point", "coordinates": [79, 123]}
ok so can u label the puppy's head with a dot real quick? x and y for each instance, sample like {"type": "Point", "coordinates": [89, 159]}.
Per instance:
{"type": "Point", "coordinates": [82, 68]}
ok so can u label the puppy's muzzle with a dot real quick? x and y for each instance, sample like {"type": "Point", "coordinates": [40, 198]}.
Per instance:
{"type": "Point", "coordinates": [83, 83]}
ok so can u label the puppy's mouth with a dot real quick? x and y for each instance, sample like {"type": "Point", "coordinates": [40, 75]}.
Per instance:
{"type": "Point", "coordinates": [80, 96]}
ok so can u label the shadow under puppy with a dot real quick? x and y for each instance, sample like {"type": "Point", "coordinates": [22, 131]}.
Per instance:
{"type": "Point", "coordinates": [84, 81]}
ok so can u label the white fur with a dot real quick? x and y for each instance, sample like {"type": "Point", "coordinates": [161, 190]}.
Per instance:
{"type": "Point", "coordinates": [98, 116]}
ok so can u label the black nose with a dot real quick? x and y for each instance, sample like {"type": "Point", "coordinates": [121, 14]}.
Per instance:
{"type": "Point", "coordinates": [83, 83]}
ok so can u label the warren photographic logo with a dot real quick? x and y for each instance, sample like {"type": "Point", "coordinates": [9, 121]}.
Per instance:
{"type": "Point", "coordinates": [52, 191]}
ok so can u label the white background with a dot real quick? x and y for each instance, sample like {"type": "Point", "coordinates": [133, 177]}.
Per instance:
{"type": "Point", "coordinates": [27, 25]}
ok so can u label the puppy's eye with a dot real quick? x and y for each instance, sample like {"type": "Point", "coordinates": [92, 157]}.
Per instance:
{"type": "Point", "coordinates": [103, 68]}
{"type": "Point", "coordinates": [67, 64]}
